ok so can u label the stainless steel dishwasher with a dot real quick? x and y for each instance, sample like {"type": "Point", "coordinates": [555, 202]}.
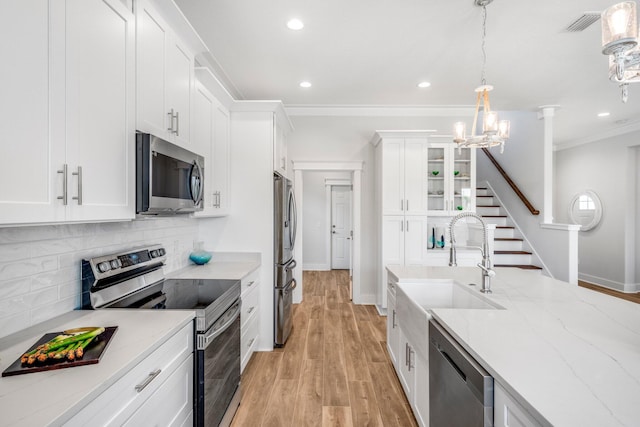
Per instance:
{"type": "Point", "coordinates": [460, 390]}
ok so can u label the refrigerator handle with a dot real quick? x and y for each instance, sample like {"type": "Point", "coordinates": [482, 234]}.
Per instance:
{"type": "Point", "coordinates": [293, 265]}
{"type": "Point", "coordinates": [294, 220]}
{"type": "Point", "coordinates": [294, 284]}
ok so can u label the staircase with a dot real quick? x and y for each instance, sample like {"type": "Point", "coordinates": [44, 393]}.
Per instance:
{"type": "Point", "coordinates": [510, 250]}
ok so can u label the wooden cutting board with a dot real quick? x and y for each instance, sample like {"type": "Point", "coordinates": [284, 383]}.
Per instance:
{"type": "Point", "coordinates": [92, 354]}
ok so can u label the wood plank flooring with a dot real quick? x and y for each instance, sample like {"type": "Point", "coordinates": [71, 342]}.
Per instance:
{"type": "Point", "coordinates": [635, 297]}
{"type": "Point", "coordinates": [333, 371]}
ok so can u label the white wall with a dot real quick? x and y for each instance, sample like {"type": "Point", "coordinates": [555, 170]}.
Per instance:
{"type": "Point", "coordinates": [348, 139]}
{"type": "Point", "coordinates": [609, 168]}
{"type": "Point", "coordinates": [315, 218]}
{"type": "Point", "coordinates": [40, 274]}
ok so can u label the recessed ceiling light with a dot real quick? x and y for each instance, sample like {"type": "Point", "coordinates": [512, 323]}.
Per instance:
{"type": "Point", "coordinates": [604, 114]}
{"type": "Point", "coordinates": [305, 84]}
{"type": "Point", "coordinates": [295, 24]}
{"type": "Point", "coordinates": [422, 85]}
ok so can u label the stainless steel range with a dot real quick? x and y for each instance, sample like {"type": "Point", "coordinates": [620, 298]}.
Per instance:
{"type": "Point", "coordinates": [135, 279]}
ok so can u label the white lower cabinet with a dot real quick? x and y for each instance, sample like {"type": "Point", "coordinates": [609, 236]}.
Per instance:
{"type": "Point", "coordinates": [507, 412]}
{"type": "Point", "coordinates": [157, 391]}
{"type": "Point", "coordinates": [413, 372]}
{"type": "Point", "coordinates": [249, 316]}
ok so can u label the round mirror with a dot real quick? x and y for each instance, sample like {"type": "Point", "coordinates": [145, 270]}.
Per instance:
{"type": "Point", "coordinates": [585, 209]}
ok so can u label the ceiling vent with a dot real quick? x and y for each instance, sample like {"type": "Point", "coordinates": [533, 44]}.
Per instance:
{"type": "Point", "coordinates": [583, 21]}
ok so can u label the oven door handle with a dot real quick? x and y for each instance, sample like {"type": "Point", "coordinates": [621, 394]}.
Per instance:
{"type": "Point", "coordinates": [159, 300]}
{"type": "Point", "coordinates": [214, 334]}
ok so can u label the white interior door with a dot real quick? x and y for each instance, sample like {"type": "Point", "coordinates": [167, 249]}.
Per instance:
{"type": "Point", "coordinates": [340, 227]}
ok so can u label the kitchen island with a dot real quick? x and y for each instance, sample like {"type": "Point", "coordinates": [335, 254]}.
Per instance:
{"type": "Point", "coordinates": [55, 397]}
{"type": "Point", "coordinates": [569, 356]}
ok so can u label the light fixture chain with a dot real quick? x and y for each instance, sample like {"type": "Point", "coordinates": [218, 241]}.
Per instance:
{"type": "Point", "coordinates": [484, 52]}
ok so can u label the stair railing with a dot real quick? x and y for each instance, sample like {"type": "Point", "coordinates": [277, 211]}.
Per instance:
{"type": "Point", "coordinates": [512, 184]}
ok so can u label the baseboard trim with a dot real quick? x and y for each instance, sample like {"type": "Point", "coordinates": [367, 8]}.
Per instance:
{"type": "Point", "coordinates": [628, 288]}
{"type": "Point", "coordinates": [366, 299]}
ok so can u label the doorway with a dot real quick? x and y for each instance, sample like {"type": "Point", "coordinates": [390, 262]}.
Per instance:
{"type": "Point", "coordinates": [341, 232]}
{"type": "Point", "coordinates": [354, 173]}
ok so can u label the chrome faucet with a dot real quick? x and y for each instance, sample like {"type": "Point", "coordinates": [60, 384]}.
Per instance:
{"type": "Point", "coordinates": [485, 265]}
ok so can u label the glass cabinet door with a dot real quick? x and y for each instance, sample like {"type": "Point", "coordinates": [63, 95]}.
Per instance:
{"type": "Point", "coordinates": [461, 175]}
{"type": "Point", "coordinates": [437, 190]}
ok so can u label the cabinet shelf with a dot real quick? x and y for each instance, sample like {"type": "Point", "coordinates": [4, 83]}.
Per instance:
{"type": "Point", "coordinates": [437, 196]}
{"type": "Point", "coordinates": [462, 161]}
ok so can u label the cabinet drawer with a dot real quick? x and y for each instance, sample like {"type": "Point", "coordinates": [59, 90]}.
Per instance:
{"type": "Point", "coordinates": [249, 340]}
{"type": "Point", "coordinates": [250, 301]}
{"type": "Point", "coordinates": [121, 400]}
{"type": "Point", "coordinates": [172, 403]}
{"type": "Point", "coordinates": [250, 281]}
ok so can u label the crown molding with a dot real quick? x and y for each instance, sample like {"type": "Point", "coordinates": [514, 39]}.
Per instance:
{"type": "Point", "coordinates": [597, 137]}
{"type": "Point", "coordinates": [379, 110]}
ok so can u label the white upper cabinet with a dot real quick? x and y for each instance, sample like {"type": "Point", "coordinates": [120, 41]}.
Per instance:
{"type": "Point", "coordinates": [100, 99]}
{"type": "Point", "coordinates": [68, 111]}
{"type": "Point", "coordinates": [280, 160]}
{"type": "Point", "coordinates": [404, 176]}
{"type": "Point", "coordinates": [211, 139]}
{"type": "Point", "coordinates": [165, 79]}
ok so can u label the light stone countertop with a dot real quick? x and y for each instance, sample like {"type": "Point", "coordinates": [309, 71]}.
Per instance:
{"type": "Point", "coordinates": [52, 397]}
{"type": "Point", "coordinates": [569, 355]}
{"type": "Point", "coordinates": [225, 266]}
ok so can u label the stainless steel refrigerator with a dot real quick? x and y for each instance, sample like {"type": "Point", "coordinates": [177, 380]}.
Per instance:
{"type": "Point", "coordinates": [284, 241]}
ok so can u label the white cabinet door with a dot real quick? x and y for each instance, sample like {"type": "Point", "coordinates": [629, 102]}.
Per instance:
{"type": "Point", "coordinates": [421, 395]}
{"type": "Point", "coordinates": [164, 79]}
{"type": "Point", "coordinates": [100, 100]}
{"type": "Point", "coordinates": [222, 163]}
{"type": "Point", "coordinates": [415, 176]}
{"type": "Point", "coordinates": [415, 240]}
{"type": "Point", "coordinates": [29, 182]}
{"type": "Point", "coordinates": [280, 151]}
{"type": "Point", "coordinates": [452, 189]}
{"type": "Point", "coordinates": [406, 370]}
{"type": "Point", "coordinates": [393, 330]}
{"type": "Point", "coordinates": [393, 237]}
{"type": "Point", "coordinates": [509, 413]}
{"type": "Point", "coordinates": [171, 404]}
{"type": "Point", "coordinates": [179, 88]}
{"type": "Point", "coordinates": [393, 176]}
{"type": "Point", "coordinates": [152, 35]}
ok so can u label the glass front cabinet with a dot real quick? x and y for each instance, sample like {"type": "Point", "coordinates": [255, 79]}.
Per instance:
{"type": "Point", "coordinates": [451, 179]}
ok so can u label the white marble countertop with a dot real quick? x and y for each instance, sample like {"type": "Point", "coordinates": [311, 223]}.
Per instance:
{"type": "Point", "coordinates": [569, 355]}
{"type": "Point", "coordinates": [52, 397]}
{"type": "Point", "coordinates": [225, 266]}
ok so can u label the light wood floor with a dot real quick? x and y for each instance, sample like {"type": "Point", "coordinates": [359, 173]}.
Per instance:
{"type": "Point", "coordinates": [629, 297]}
{"type": "Point", "coordinates": [333, 371]}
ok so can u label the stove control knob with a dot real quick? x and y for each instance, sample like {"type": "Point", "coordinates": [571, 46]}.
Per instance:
{"type": "Point", "coordinates": [161, 251]}
{"type": "Point", "coordinates": [104, 266]}
{"type": "Point", "coordinates": [154, 254]}
{"type": "Point", "coordinates": [115, 263]}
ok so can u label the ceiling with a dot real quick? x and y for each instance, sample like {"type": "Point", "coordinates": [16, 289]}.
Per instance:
{"type": "Point", "coordinates": [375, 52]}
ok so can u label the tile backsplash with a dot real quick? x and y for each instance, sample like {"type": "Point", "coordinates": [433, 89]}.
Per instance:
{"type": "Point", "coordinates": [40, 265]}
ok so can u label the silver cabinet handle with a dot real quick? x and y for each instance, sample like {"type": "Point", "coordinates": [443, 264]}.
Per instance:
{"type": "Point", "coordinates": [64, 185]}
{"type": "Point", "coordinates": [147, 381]}
{"type": "Point", "coordinates": [407, 225]}
{"type": "Point", "coordinates": [251, 342]}
{"type": "Point", "coordinates": [410, 358]}
{"type": "Point", "coordinates": [393, 319]}
{"type": "Point", "coordinates": [171, 116]}
{"type": "Point", "coordinates": [250, 283]}
{"type": "Point", "coordinates": [250, 309]}
{"type": "Point", "coordinates": [406, 354]}
{"type": "Point", "coordinates": [79, 175]}
{"type": "Point", "coordinates": [177, 131]}
{"type": "Point", "coordinates": [407, 205]}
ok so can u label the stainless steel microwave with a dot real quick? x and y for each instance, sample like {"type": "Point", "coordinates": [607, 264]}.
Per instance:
{"type": "Point", "coordinates": [169, 179]}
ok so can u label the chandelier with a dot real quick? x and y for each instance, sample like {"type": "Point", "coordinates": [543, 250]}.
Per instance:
{"type": "Point", "coordinates": [494, 131]}
{"type": "Point", "coordinates": [620, 42]}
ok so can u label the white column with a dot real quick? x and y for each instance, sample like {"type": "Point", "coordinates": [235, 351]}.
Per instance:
{"type": "Point", "coordinates": [547, 208]}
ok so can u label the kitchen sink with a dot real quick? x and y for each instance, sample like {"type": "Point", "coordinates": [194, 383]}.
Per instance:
{"type": "Point", "coordinates": [446, 293]}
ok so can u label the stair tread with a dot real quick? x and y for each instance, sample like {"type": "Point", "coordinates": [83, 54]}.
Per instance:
{"type": "Point", "coordinates": [494, 216]}
{"type": "Point", "coordinates": [522, 266]}
{"type": "Point", "coordinates": [481, 188]}
{"type": "Point", "coordinates": [487, 206]}
{"type": "Point", "coordinates": [508, 239]}
{"type": "Point", "coordinates": [483, 196]}
{"type": "Point", "coordinates": [512, 253]}
{"type": "Point", "coordinates": [504, 226]}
